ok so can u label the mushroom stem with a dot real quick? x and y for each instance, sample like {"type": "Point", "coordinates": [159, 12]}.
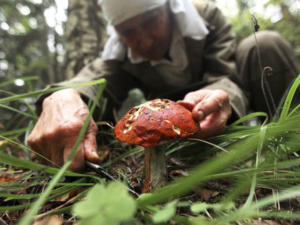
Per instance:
{"type": "Point", "coordinates": [155, 169]}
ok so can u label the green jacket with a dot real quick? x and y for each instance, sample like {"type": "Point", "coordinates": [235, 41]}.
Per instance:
{"type": "Point", "coordinates": [211, 63]}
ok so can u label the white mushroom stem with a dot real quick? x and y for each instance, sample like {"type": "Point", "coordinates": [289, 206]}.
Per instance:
{"type": "Point", "coordinates": [155, 169]}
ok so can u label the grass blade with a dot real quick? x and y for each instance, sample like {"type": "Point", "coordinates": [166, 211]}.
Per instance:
{"type": "Point", "coordinates": [250, 116]}
{"type": "Point", "coordinates": [39, 92]}
{"type": "Point", "coordinates": [289, 98]}
{"type": "Point", "coordinates": [18, 111]}
{"type": "Point", "coordinates": [262, 136]}
{"type": "Point", "coordinates": [30, 78]}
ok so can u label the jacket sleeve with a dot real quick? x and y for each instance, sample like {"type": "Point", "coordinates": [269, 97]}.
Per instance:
{"type": "Point", "coordinates": [118, 82]}
{"type": "Point", "coordinates": [219, 57]}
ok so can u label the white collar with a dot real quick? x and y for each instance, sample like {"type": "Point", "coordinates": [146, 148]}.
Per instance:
{"type": "Point", "coordinates": [189, 23]}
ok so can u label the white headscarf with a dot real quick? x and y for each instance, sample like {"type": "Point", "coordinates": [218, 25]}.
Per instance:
{"type": "Point", "coordinates": [189, 24]}
{"type": "Point", "coordinates": [117, 11]}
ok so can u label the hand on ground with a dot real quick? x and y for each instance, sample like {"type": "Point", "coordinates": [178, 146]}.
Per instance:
{"type": "Point", "coordinates": [57, 129]}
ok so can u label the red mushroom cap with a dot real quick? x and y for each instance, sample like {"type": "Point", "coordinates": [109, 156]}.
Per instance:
{"type": "Point", "coordinates": [155, 121]}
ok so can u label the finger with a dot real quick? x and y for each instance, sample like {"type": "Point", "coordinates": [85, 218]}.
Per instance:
{"type": "Point", "coordinates": [210, 126]}
{"type": "Point", "coordinates": [78, 160]}
{"type": "Point", "coordinates": [51, 148]}
{"type": "Point", "coordinates": [36, 149]}
{"type": "Point", "coordinates": [90, 143]}
{"type": "Point", "coordinates": [57, 155]}
{"type": "Point", "coordinates": [196, 96]}
{"type": "Point", "coordinates": [34, 141]}
{"type": "Point", "coordinates": [214, 123]}
{"type": "Point", "coordinates": [189, 106]}
{"type": "Point", "coordinates": [217, 101]}
{"type": "Point", "coordinates": [90, 148]}
{"type": "Point", "coordinates": [44, 153]}
{"type": "Point", "coordinates": [193, 98]}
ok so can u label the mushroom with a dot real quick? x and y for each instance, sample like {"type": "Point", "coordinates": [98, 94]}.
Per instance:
{"type": "Point", "coordinates": [148, 125]}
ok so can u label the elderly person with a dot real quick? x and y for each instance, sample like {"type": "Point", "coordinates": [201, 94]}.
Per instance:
{"type": "Point", "coordinates": [176, 49]}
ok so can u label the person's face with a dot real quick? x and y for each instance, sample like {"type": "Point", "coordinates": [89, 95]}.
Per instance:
{"type": "Point", "coordinates": [148, 34]}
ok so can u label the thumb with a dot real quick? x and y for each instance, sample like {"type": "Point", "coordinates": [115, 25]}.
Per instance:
{"type": "Point", "coordinates": [90, 147]}
{"type": "Point", "coordinates": [189, 106]}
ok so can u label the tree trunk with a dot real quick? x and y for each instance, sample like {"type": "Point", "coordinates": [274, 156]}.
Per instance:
{"type": "Point", "coordinates": [85, 35]}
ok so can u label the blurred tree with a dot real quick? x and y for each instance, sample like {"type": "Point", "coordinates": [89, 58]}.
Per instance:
{"type": "Point", "coordinates": [289, 25]}
{"type": "Point", "coordinates": [25, 38]}
{"type": "Point", "coordinates": [28, 47]}
{"type": "Point", "coordinates": [85, 34]}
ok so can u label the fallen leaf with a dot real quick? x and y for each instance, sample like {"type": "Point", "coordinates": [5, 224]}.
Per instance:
{"type": "Point", "coordinates": [6, 178]}
{"type": "Point", "coordinates": [62, 198]}
{"type": "Point", "coordinates": [49, 220]}
{"type": "Point", "coordinates": [67, 197]}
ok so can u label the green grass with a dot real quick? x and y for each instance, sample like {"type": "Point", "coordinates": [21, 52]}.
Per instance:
{"type": "Point", "coordinates": [255, 159]}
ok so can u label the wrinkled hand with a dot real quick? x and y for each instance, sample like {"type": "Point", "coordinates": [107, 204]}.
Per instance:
{"type": "Point", "coordinates": [211, 108]}
{"type": "Point", "coordinates": [57, 129]}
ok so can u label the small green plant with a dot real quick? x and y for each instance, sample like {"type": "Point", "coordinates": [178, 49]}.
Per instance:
{"type": "Point", "coordinates": [166, 213]}
{"type": "Point", "coordinates": [106, 205]}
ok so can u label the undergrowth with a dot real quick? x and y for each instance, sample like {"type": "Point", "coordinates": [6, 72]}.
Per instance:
{"type": "Point", "coordinates": [247, 173]}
